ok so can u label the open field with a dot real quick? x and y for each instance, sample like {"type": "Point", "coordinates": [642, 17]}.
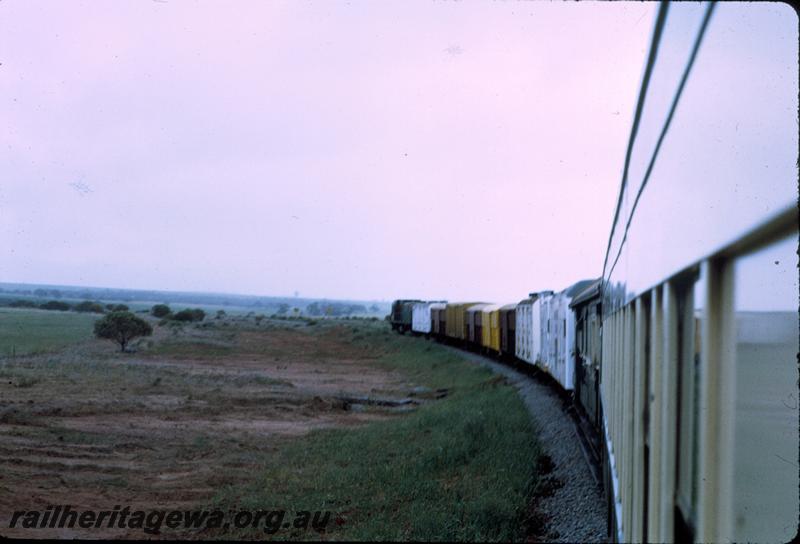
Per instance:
{"type": "Point", "coordinates": [30, 331]}
{"type": "Point", "coordinates": [233, 415]}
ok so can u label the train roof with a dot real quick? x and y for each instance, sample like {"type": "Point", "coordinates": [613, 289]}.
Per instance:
{"type": "Point", "coordinates": [591, 291]}
{"type": "Point", "coordinates": [534, 296]}
{"type": "Point", "coordinates": [578, 287]}
{"type": "Point", "coordinates": [479, 306]}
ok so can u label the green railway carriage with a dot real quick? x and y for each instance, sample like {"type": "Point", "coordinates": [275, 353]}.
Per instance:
{"type": "Point", "coordinates": [402, 313]}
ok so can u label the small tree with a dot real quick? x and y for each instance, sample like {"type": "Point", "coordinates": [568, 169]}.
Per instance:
{"type": "Point", "coordinates": [160, 310]}
{"type": "Point", "coordinates": [122, 327]}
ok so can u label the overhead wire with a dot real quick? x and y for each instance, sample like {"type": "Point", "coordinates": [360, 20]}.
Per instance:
{"type": "Point", "coordinates": [661, 18]}
{"type": "Point", "coordinates": [665, 128]}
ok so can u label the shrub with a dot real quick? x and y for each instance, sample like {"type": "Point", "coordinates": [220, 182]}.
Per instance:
{"type": "Point", "coordinates": [190, 314]}
{"type": "Point", "coordinates": [183, 315]}
{"type": "Point", "coordinates": [160, 310]}
{"type": "Point", "coordinates": [55, 305]}
{"type": "Point", "coordinates": [89, 306]}
{"type": "Point", "coordinates": [122, 327]}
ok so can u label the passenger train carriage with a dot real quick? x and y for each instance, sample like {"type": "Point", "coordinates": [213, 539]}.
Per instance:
{"type": "Point", "coordinates": [682, 358]}
{"type": "Point", "coordinates": [700, 293]}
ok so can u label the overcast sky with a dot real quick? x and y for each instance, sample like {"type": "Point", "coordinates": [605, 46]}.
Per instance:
{"type": "Point", "coordinates": [338, 149]}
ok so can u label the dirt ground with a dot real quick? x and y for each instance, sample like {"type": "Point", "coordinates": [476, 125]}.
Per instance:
{"type": "Point", "coordinates": [195, 409]}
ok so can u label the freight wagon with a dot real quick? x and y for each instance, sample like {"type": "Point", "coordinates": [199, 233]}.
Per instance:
{"type": "Point", "coordinates": [438, 318]}
{"type": "Point", "coordinates": [474, 323]}
{"type": "Point", "coordinates": [490, 331]}
{"type": "Point", "coordinates": [556, 356]}
{"type": "Point", "coordinates": [530, 334]}
{"type": "Point", "coordinates": [421, 317]}
{"type": "Point", "coordinates": [526, 330]}
{"type": "Point", "coordinates": [508, 329]}
{"type": "Point", "coordinates": [455, 320]}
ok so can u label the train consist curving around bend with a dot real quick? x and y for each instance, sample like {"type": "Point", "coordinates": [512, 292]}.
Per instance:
{"type": "Point", "coordinates": [682, 357]}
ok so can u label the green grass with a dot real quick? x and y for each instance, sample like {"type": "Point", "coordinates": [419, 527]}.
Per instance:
{"type": "Point", "coordinates": [26, 331]}
{"type": "Point", "coordinates": [460, 468]}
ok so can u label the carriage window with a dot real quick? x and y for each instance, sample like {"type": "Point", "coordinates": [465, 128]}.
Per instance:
{"type": "Point", "coordinates": [691, 297]}
{"type": "Point", "coordinates": [765, 471]}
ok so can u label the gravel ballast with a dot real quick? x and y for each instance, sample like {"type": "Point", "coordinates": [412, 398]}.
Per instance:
{"type": "Point", "coordinates": [572, 507]}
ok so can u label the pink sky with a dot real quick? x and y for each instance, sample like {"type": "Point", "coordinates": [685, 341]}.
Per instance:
{"type": "Point", "coordinates": [339, 149]}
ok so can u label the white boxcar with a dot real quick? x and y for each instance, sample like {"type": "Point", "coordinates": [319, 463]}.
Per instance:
{"type": "Point", "coordinates": [524, 333]}
{"type": "Point", "coordinates": [536, 327]}
{"type": "Point", "coordinates": [556, 355]}
{"type": "Point", "coordinates": [547, 333]}
{"type": "Point", "coordinates": [528, 332]}
{"type": "Point", "coordinates": [421, 317]}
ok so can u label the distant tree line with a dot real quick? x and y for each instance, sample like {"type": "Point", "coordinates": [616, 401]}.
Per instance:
{"type": "Point", "coordinates": [280, 305]}
{"type": "Point", "coordinates": [334, 309]}
{"type": "Point", "coordinates": [45, 293]}
{"type": "Point", "coordinates": [87, 306]}
{"type": "Point", "coordinates": [161, 311]}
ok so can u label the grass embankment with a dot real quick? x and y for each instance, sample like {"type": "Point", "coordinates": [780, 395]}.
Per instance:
{"type": "Point", "coordinates": [27, 331]}
{"type": "Point", "coordinates": [458, 468]}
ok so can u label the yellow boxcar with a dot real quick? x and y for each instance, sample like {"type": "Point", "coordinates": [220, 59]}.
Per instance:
{"type": "Point", "coordinates": [490, 321]}
{"type": "Point", "coordinates": [456, 323]}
